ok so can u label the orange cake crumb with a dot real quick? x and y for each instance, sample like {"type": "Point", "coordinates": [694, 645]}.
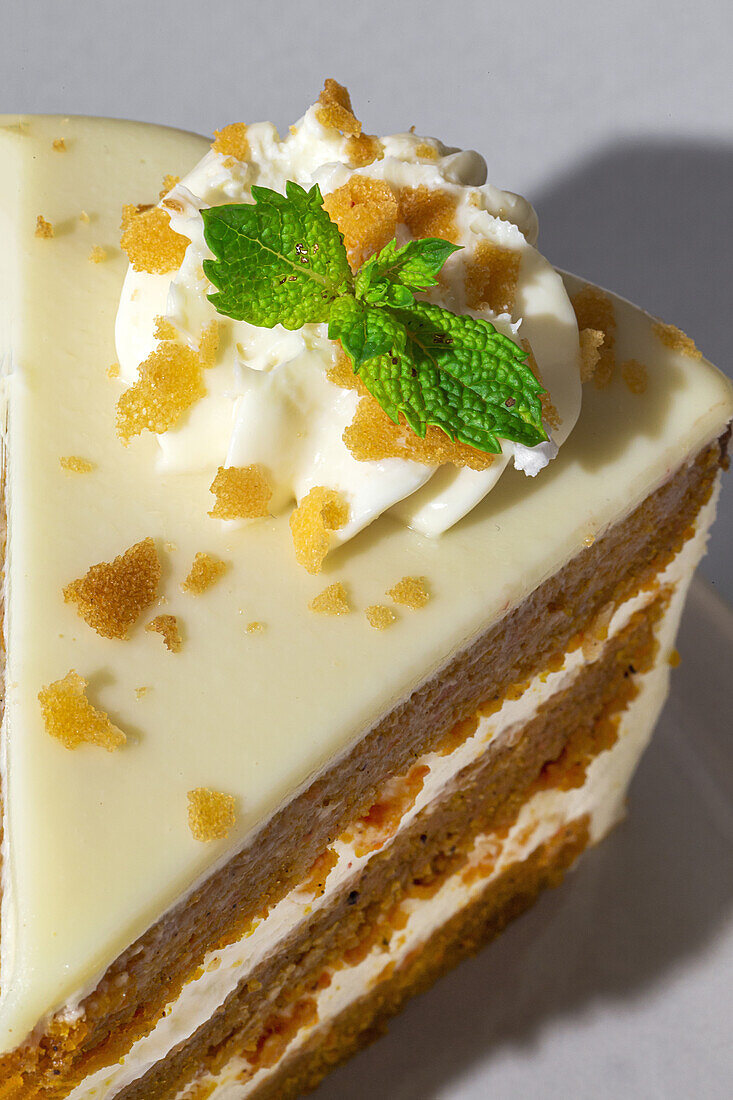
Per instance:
{"type": "Point", "coordinates": [426, 150]}
{"type": "Point", "coordinates": [365, 211]}
{"type": "Point", "coordinates": [335, 111]}
{"type": "Point", "coordinates": [363, 150]}
{"type": "Point", "coordinates": [594, 310]}
{"type": "Point", "coordinates": [383, 818]}
{"type": "Point", "coordinates": [675, 338]}
{"type": "Point", "coordinates": [150, 243]}
{"type": "Point", "coordinates": [167, 626]}
{"type": "Point", "coordinates": [591, 340]}
{"type": "Point", "coordinates": [674, 660]}
{"type": "Point", "coordinates": [315, 880]}
{"type": "Point", "coordinates": [98, 255]}
{"type": "Point", "coordinates": [169, 382]}
{"type": "Point", "coordinates": [111, 595]}
{"type": "Point", "coordinates": [209, 344]}
{"type": "Point", "coordinates": [164, 329]}
{"type": "Point", "coordinates": [242, 492]}
{"type": "Point", "coordinates": [113, 370]}
{"type": "Point", "coordinates": [550, 415]}
{"type": "Point", "coordinates": [211, 814]}
{"type": "Point", "coordinates": [411, 592]}
{"type": "Point", "coordinates": [320, 512]}
{"type": "Point", "coordinates": [491, 277]}
{"type": "Point", "coordinates": [141, 692]}
{"type": "Point", "coordinates": [254, 627]}
{"type": "Point", "coordinates": [44, 229]}
{"type": "Point", "coordinates": [634, 375]}
{"type": "Point", "coordinates": [59, 145]}
{"type": "Point", "coordinates": [169, 182]}
{"type": "Point", "coordinates": [232, 141]}
{"type": "Point", "coordinates": [77, 465]}
{"type": "Point", "coordinates": [379, 616]}
{"type": "Point", "coordinates": [428, 213]}
{"type": "Point", "coordinates": [332, 601]}
{"type": "Point", "coordinates": [84, 217]}
{"type": "Point", "coordinates": [205, 571]}
{"type": "Point", "coordinates": [71, 719]}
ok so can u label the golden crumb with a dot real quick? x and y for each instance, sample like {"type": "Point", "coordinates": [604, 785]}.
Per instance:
{"type": "Point", "coordinates": [141, 692]}
{"type": "Point", "coordinates": [550, 415]}
{"type": "Point", "coordinates": [232, 141]}
{"type": "Point", "coordinates": [634, 375]}
{"type": "Point", "coordinates": [71, 719]}
{"type": "Point", "coordinates": [674, 660]}
{"type": "Point", "coordinates": [366, 212]}
{"type": "Point", "coordinates": [363, 150]}
{"type": "Point", "coordinates": [76, 465]}
{"type": "Point", "coordinates": [491, 277]}
{"type": "Point", "coordinates": [410, 591]}
{"type": "Point", "coordinates": [169, 382]}
{"type": "Point", "coordinates": [334, 110]}
{"type": "Point", "coordinates": [167, 626]}
{"type": "Point", "coordinates": [205, 571]}
{"type": "Point", "coordinates": [44, 229]}
{"type": "Point", "coordinates": [426, 150]}
{"type": "Point", "coordinates": [242, 492]}
{"type": "Point", "coordinates": [320, 512]}
{"type": "Point", "coordinates": [591, 340]}
{"type": "Point", "coordinates": [333, 600]}
{"type": "Point", "coordinates": [211, 814]}
{"type": "Point", "coordinates": [164, 329]}
{"type": "Point", "coordinates": [98, 254]}
{"type": "Point", "coordinates": [594, 310]}
{"type": "Point", "coordinates": [84, 217]}
{"type": "Point", "coordinates": [589, 540]}
{"type": "Point", "coordinates": [113, 370]}
{"type": "Point", "coordinates": [59, 145]}
{"type": "Point", "coordinates": [674, 338]}
{"type": "Point", "coordinates": [169, 182]}
{"type": "Point", "coordinates": [254, 627]}
{"type": "Point", "coordinates": [379, 616]}
{"type": "Point", "coordinates": [150, 243]}
{"type": "Point", "coordinates": [111, 596]}
{"type": "Point", "coordinates": [341, 373]}
{"type": "Point", "coordinates": [428, 213]}
{"type": "Point", "coordinates": [209, 344]}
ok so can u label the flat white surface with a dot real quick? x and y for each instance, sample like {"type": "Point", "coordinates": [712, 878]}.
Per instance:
{"type": "Point", "coordinates": [617, 985]}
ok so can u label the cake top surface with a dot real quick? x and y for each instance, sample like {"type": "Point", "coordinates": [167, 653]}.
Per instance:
{"type": "Point", "coordinates": [241, 690]}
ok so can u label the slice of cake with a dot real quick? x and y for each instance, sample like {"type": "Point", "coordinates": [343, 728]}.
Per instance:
{"type": "Point", "coordinates": [310, 688]}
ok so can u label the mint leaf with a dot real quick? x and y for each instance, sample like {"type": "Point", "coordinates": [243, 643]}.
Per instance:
{"type": "Point", "coordinates": [458, 373]}
{"type": "Point", "coordinates": [362, 329]}
{"type": "Point", "coordinates": [395, 274]}
{"type": "Point", "coordinates": [279, 260]}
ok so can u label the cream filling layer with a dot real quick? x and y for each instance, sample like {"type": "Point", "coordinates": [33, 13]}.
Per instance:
{"type": "Point", "coordinates": [223, 970]}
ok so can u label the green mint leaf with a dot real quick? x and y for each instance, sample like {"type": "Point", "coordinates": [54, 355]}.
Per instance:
{"type": "Point", "coordinates": [360, 329]}
{"type": "Point", "coordinates": [278, 260]}
{"type": "Point", "coordinates": [395, 274]}
{"type": "Point", "coordinates": [458, 373]}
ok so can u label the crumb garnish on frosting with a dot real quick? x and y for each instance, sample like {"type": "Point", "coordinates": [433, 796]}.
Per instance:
{"type": "Point", "coordinates": [411, 592]}
{"type": "Point", "coordinates": [111, 596]}
{"type": "Point", "coordinates": [333, 600]}
{"type": "Point", "coordinates": [167, 627]}
{"type": "Point", "coordinates": [591, 340]}
{"type": "Point", "coordinates": [634, 375]}
{"type": "Point", "coordinates": [594, 310]}
{"type": "Point", "coordinates": [113, 370]}
{"type": "Point", "coordinates": [98, 254]}
{"type": "Point", "coordinates": [59, 145]}
{"type": "Point", "coordinates": [71, 719]}
{"type": "Point", "coordinates": [428, 213]}
{"type": "Point", "coordinates": [674, 338]}
{"type": "Point", "coordinates": [169, 182]}
{"type": "Point", "coordinates": [205, 571]}
{"type": "Point", "coordinates": [366, 212]}
{"type": "Point", "coordinates": [84, 217]}
{"type": "Point", "coordinates": [380, 616]}
{"type": "Point", "coordinates": [242, 492]}
{"type": "Point", "coordinates": [75, 464]}
{"type": "Point", "coordinates": [255, 627]}
{"type": "Point", "coordinates": [211, 814]}
{"type": "Point", "coordinates": [491, 277]}
{"type": "Point", "coordinates": [232, 141]}
{"type": "Point", "coordinates": [150, 243]}
{"type": "Point", "coordinates": [44, 229]}
{"type": "Point", "coordinates": [311, 523]}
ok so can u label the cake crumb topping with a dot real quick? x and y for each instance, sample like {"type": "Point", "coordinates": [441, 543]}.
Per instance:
{"type": "Point", "coordinates": [205, 571]}
{"type": "Point", "coordinates": [77, 465]}
{"type": "Point", "coordinates": [379, 616]}
{"type": "Point", "coordinates": [242, 492]}
{"type": "Point", "coordinates": [594, 310]}
{"type": "Point", "coordinates": [428, 213]}
{"type": "Point", "coordinates": [98, 254]}
{"type": "Point", "coordinates": [71, 719]}
{"type": "Point", "coordinates": [150, 243]}
{"type": "Point", "coordinates": [333, 600]}
{"type": "Point", "coordinates": [209, 344]}
{"type": "Point", "coordinates": [491, 277]}
{"type": "Point", "coordinates": [141, 692]}
{"type": "Point", "coordinates": [211, 814]}
{"type": "Point", "coordinates": [84, 217]}
{"type": "Point", "coordinates": [232, 141]}
{"type": "Point", "coordinates": [366, 212]}
{"type": "Point", "coordinates": [320, 512]}
{"type": "Point", "coordinates": [411, 592]}
{"type": "Point", "coordinates": [591, 340]}
{"type": "Point", "coordinates": [634, 375]}
{"type": "Point", "coordinates": [44, 229]}
{"type": "Point", "coordinates": [254, 627]}
{"type": "Point", "coordinates": [167, 626]}
{"type": "Point", "coordinates": [169, 182]}
{"type": "Point", "coordinates": [674, 338]}
{"type": "Point", "coordinates": [113, 370]}
{"type": "Point", "coordinates": [59, 145]}
{"type": "Point", "coordinates": [335, 111]}
{"type": "Point", "coordinates": [111, 596]}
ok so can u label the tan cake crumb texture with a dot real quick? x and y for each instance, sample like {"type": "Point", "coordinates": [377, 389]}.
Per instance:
{"type": "Point", "coordinates": [77, 465]}
{"type": "Point", "coordinates": [113, 370]}
{"type": "Point", "coordinates": [169, 182]}
{"type": "Point", "coordinates": [232, 141]}
{"type": "Point", "coordinates": [255, 627]}
{"type": "Point", "coordinates": [366, 212]}
{"type": "Point", "coordinates": [591, 340]}
{"type": "Point", "coordinates": [98, 254]}
{"type": "Point", "coordinates": [634, 375]}
{"type": "Point", "coordinates": [205, 571]}
{"type": "Point", "coordinates": [594, 310]}
{"type": "Point", "coordinates": [209, 344]}
{"type": "Point", "coordinates": [150, 243]}
{"type": "Point", "coordinates": [379, 616]}
{"type": "Point", "coordinates": [44, 229]}
{"type": "Point", "coordinates": [333, 600]}
{"type": "Point", "coordinates": [491, 277]}
{"type": "Point", "coordinates": [71, 719]}
{"type": "Point", "coordinates": [674, 660]}
{"type": "Point", "coordinates": [335, 111]}
{"type": "Point", "coordinates": [410, 592]}
{"type": "Point", "coordinates": [59, 145]}
{"type": "Point", "coordinates": [242, 492]}
{"type": "Point", "coordinates": [428, 213]}
{"type": "Point", "coordinates": [675, 338]}
{"type": "Point", "coordinates": [167, 626]}
{"type": "Point", "coordinates": [211, 814]}
{"type": "Point", "coordinates": [311, 523]}
{"type": "Point", "coordinates": [141, 692]}
{"type": "Point", "coordinates": [111, 596]}
{"type": "Point", "coordinates": [84, 217]}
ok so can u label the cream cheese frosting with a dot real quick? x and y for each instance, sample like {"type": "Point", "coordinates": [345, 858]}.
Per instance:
{"type": "Point", "coordinates": [269, 401]}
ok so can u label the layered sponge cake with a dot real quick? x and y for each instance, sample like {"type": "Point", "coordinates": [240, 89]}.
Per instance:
{"type": "Point", "coordinates": [302, 705]}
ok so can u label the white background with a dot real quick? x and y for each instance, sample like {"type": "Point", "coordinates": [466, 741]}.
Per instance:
{"type": "Point", "coordinates": [616, 120]}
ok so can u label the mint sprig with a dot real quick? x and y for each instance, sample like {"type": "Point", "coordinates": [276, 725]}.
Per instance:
{"type": "Point", "coordinates": [281, 260]}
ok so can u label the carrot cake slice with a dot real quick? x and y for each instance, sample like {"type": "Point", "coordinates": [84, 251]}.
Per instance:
{"type": "Point", "coordinates": [346, 543]}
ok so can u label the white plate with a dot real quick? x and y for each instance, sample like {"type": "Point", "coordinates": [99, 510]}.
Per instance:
{"type": "Point", "coordinates": [619, 985]}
